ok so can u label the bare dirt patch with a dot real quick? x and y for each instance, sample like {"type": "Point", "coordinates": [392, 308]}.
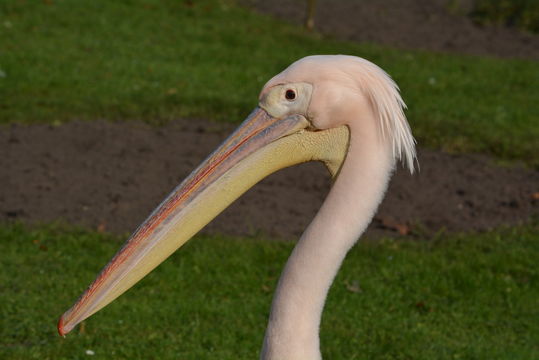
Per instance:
{"type": "Point", "coordinates": [408, 24]}
{"type": "Point", "coordinates": [109, 176]}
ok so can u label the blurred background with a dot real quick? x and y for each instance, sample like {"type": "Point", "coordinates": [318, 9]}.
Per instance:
{"type": "Point", "coordinates": [106, 106]}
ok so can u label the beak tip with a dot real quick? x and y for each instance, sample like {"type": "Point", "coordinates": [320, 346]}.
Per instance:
{"type": "Point", "coordinates": [61, 329]}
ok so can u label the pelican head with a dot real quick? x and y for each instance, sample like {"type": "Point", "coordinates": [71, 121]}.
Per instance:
{"type": "Point", "coordinates": [341, 110]}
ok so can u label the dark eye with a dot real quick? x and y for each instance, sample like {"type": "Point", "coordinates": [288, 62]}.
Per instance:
{"type": "Point", "coordinates": [290, 94]}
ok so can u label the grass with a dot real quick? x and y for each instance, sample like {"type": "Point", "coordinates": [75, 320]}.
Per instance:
{"type": "Point", "coordinates": [523, 14]}
{"type": "Point", "coordinates": [160, 60]}
{"type": "Point", "coordinates": [456, 297]}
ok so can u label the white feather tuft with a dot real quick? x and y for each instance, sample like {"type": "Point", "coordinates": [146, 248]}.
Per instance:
{"type": "Point", "coordinates": [384, 95]}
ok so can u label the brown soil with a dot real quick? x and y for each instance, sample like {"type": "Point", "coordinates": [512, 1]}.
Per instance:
{"type": "Point", "coordinates": [412, 24]}
{"type": "Point", "coordinates": [109, 176]}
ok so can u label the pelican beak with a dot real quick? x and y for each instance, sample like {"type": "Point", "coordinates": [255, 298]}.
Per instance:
{"type": "Point", "coordinates": [261, 145]}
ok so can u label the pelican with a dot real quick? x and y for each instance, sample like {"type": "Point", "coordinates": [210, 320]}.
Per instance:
{"type": "Point", "coordinates": [341, 110]}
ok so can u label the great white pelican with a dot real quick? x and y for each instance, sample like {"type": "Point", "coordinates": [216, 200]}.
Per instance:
{"type": "Point", "coordinates": [341, 110]}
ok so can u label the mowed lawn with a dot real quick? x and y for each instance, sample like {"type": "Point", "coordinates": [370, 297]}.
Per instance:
{"type": "Point", "coordinates": [453, 297]}
{"type": "Point", "coordinates": [158, 60]}
{"type": "Point", "coordinates": [468, 296]}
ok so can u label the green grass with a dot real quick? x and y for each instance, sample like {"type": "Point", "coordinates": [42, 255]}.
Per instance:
{"type": "Point", "coordinates": [160, 60]}
{"type": "Point", "coordinates": [523, 14]}
{"type": "Point", "coordinates": [457, 297]}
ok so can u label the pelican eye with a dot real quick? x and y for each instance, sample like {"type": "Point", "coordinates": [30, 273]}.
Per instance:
{"type": "Point", "coordinates": [290, 95]}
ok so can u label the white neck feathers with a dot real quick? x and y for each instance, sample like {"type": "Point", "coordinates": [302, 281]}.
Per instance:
{"type": "Point", "coordinates": [293, 327]}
